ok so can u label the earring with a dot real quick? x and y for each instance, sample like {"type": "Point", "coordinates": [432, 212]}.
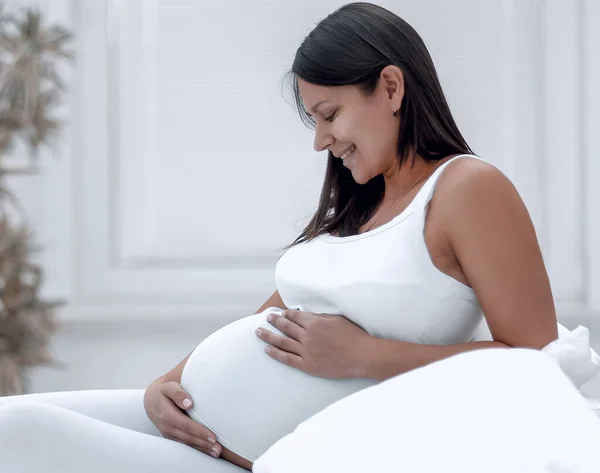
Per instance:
{"type": "Point", "coordinates": [397, 113]}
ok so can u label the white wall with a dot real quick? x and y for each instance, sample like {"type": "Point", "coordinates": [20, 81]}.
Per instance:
{"type": "Point", "coordinates": [184, 170]}
{"type": "Point", "coordinates": [130, 355]}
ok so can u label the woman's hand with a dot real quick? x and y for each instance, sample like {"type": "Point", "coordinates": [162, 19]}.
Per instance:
{"type": "Point", "coordinates": [329, 346]}
{"type": "Point", "coordinates": [164, 402]}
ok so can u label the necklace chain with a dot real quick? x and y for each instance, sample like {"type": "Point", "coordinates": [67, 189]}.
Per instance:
{"type": "Point", "coordinates": [396, 201]}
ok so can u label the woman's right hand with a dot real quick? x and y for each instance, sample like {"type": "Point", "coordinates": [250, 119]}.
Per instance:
{"type": "Point", "coordinates": [164, 402]}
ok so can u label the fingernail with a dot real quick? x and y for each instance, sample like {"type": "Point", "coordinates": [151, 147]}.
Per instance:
{"type": "Point", "coordinates": [187, 403]}
{"type": "Point", "coordinates": [267, 349]}
{"type": "Point", "coordinates": [211, 440]}
{"type": "Point", "coordinates": [213, 454]}
{"type": "Point", "coordinates": [258, 332]}
{"type": "Point", "coordinates": [269, 317]}
{"type": "Point", "coordinates": [214, 450]}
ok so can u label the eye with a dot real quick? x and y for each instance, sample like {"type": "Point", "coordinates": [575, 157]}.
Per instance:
{"type": "Point", "coordinates": [331, 117]}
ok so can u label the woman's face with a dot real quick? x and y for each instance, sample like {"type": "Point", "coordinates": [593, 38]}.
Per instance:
{"type": "Point", "coordinates": [347, 119]}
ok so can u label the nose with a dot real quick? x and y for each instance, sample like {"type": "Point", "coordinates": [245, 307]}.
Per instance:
{"type": "Point", "coordinates": [322, 142]}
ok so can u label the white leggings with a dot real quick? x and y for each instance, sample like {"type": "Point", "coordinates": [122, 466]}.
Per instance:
{"type": "Point", "coordinates": [94, 432]}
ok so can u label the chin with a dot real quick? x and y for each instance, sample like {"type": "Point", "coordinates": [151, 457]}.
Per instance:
{"type": "Point", "coordinates": [360, 178]}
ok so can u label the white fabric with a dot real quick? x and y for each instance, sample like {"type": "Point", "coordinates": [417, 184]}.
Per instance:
{"type": "Point", "coordinates": [121, 407]}
{"type": "Point", "coordinates": [92, 432]}
{"type": "Point", "coordinates": [571, 351]}
{"type": "Point", "coordinates": [234, 383]}
{"type": "Point", "coordinates": [574, 355]}
{"type": "Point", "coordinates": [382, 280]}
{"type": "Point", "coordinates": [497, 410]}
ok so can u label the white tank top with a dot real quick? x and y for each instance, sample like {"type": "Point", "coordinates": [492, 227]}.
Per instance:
{"type": "Point", "coordinates": [382, 280]}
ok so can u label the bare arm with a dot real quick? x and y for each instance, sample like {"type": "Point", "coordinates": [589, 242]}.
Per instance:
{"type": "Point", "coordinates": [494, 243]}
{"type": "Point", "coordinates": [388, 358]}
{"type": "Point", "coordinates": [175, 373]}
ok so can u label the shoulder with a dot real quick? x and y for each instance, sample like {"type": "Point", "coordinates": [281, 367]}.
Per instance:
{"type": "Point", "coordinates": [469, 174]}
{"type": "Point", "coordinates": [492, 239]}
{"type": "Point", "coordinates": [474, 202]}
{"type": "Point", "coordinates": [470, 185]}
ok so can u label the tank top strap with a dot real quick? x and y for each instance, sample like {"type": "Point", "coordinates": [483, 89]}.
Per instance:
{"type": "Point", "coordinates": [417, 238]}
{"type": "Point", "coordinates": [426, 192]}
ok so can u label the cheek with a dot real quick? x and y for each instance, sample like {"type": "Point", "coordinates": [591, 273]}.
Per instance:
{"type": "Point", "coordinates": [346, 129]}
{"type": "Point", "coordinates": [384, 140]}
{"type": "Point", "coordinates": [369, 132]}
{"type": "Point", "coordinates": [356, 130]}
{"type": "Point", "coordinates": [375, 133]}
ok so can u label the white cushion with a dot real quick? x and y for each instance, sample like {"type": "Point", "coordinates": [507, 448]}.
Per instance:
{"type": "Point", "coordinates": [574, 355]}
{"type": "Point", "coordinates": [571, 350]}
{"type": "Point", "coordinates": [493, 410]}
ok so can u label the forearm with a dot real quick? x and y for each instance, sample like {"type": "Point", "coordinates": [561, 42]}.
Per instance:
{"type": "Point", "coordinates": [383, 359]}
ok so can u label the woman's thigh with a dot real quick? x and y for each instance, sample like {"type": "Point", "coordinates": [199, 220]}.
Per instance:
{"type": "Point", "coordinates": [40, 437]}
{"type": "Point", "coordinates": [121, 407]}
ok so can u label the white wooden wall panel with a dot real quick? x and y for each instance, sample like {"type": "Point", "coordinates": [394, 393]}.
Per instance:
{"type": "Point", "coordinates": [561, 148]}
{"type": "Point", "coordinates": [187, 170]}
{"type": "Point", "coordinates": [590, 100]}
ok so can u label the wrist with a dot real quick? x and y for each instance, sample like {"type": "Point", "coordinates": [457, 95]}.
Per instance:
{"type": "Point", "coordinates": [367, 357]}
{"type": "Point", "coordinates": [382, 359]}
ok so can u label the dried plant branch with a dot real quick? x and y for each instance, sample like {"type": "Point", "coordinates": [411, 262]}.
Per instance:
{"type": "Point", "coordinates": [30, 87]}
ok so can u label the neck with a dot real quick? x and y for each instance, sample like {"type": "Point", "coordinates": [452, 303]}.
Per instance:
{"type": "Point", "coordinates": [399, 179]}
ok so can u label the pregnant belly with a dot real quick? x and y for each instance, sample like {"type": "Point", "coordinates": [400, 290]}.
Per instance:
{"type": "Point", "coordinates": [248, 399]}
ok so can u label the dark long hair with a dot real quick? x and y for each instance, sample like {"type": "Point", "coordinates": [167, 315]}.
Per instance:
{"type": "Point", "coordinates": [351, 46]}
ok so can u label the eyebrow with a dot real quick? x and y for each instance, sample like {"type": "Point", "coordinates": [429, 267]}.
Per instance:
{"type": "Point", "coordinates": [315, 106]}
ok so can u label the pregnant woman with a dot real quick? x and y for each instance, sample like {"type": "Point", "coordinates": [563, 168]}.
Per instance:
{"type": "Point", "coordinates": [414, 239]}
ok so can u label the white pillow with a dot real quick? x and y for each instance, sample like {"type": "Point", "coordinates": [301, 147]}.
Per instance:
{"type": "Point", "coordinates": [571, 350]}
{"type": "Point", "coordinates": [574, 355]}
{"type": "Point", "coordinates": [493, 410]}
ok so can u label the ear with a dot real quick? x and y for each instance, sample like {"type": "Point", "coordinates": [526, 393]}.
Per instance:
{"type": "Point", "coordinates": [392, 80]}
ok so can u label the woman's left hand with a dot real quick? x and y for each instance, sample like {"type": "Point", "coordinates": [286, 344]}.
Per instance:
{"type": "Point", "coordinates": [329, 346]}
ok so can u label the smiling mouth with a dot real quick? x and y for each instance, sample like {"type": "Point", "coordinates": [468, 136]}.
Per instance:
{"type": "Point", "coordinates": [348, 152]}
